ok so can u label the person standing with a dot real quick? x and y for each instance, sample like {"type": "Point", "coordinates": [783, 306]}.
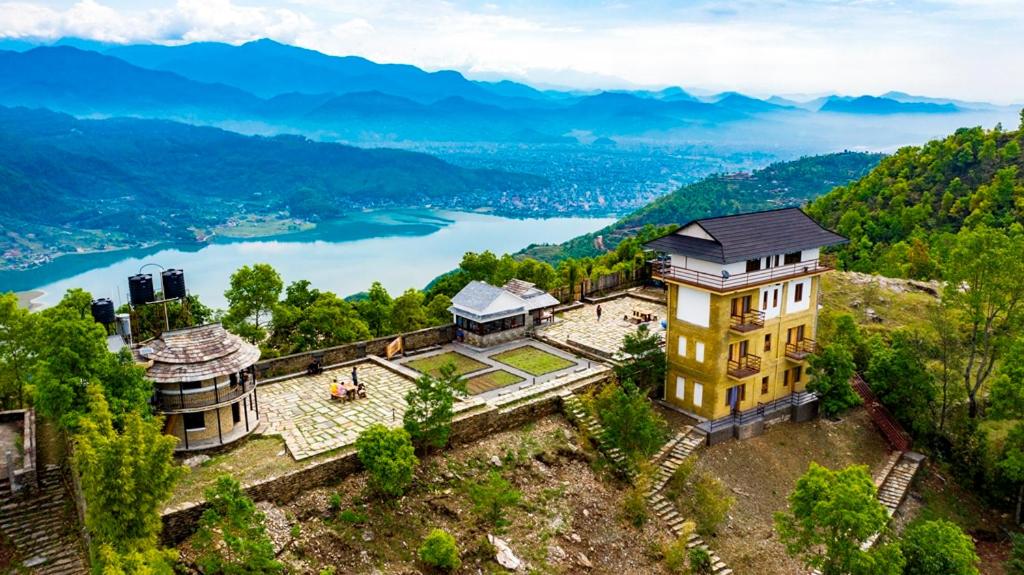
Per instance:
{"type": "Point", "coordinates": [598, 312]}
{"type": "Point", "coordinates": [355, 376]}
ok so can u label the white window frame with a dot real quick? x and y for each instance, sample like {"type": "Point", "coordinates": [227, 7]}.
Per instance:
{"type": "Point", "coordinates": [680, 388]}
{"type": "Point", "coordinates": [699, 351]}
{"type": "Point", "coordinates": [698, 394]}
{"type": "Point", "coordinates": [682, 346]}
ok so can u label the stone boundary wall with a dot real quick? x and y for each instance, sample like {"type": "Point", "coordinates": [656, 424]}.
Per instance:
{"type": "Point", "coordinates": [298, 362]}
{"type": "Point", "coordinates": [27, 475]}
{"type": "Point", "coordinates": [180, 522]}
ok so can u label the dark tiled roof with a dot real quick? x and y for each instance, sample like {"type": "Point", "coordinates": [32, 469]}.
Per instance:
{"type": "Point", "coordinates": [747, 236]}
{"type": "Point", "coordinates": [196, 354]}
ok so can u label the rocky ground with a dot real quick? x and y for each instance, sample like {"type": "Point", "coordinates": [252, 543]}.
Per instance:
{"type": "Point", "coordinates": [569, 519]}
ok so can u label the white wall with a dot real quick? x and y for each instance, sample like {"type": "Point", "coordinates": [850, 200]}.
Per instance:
{"type": "Point", "coordinates": [793, 306]}
{"type": "Point", "coordinates": [693, 306]}
{"type": "Point", "coordinates": [808, 255]}
{"type": "Point", "coordinates": [770, 311]}
{"type": "Point", "coordinates": [695, 231]}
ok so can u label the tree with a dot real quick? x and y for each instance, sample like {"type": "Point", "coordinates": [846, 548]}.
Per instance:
{"type": "Point", "coordinates": [376, 309]}
{"type": "Point", "coordinates": [898, 375]}
{"type": "Point", "coordinates": [389, 458]}
{"type": "Point", "coordinates": [327, 322]}
{"type": "Point", "coordinates": [437, 310]}
{"type": "Point", "coordinates": [939, 546]}
{"type": "Point", "coordinates": [1011, 462]}
{"type": "Point", "coordinates": [631, 424]}
{"type": "Point", "coordinates": [232, 538]}
{"type": "Point", "coordinates": [1006, 394]}
{"type": "Point", "coordinates": [642, 359]}
{"type": "Point", "coordinates": [831, 369]}
{"type": "Point", "coordinates": [252, 296]}
{"type": "Point", "coordinates": [1015, 564]}
{"type": "Point", "coordinates": [407, 313]}
{"type": "Point", "coordinates": [149, 320]}
{"type": "Point", "coordinates": [831, 514]}
{"type": "Point", "coordinates": [127, 477]}
{"type": "Point", "coordinates": [16, 356]}
{"type": "Point", "coordinates": [124, 385]}
{"type": "Point", "coordinates": [428, 417]}
{"type": "Point", "coordinates": [491, 496]}
{"type": "Point", "coordinates": [948, 350]}
{"type": "Point", "coordinates": [984, 290]}
{"type": "Point", "coordinates": [440, 551]}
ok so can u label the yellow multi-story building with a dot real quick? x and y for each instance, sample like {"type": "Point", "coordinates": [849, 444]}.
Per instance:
{"type": "Point", "coordinates": [743, 303]}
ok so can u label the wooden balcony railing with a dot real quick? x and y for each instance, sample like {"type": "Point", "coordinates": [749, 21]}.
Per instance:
{"type": "Point", "coordinates": [182, 400]}
{"type": "Point", "coordinates": [747, 321]}
{"type": "Point", "coordinates": [664, 270]}
{"type": "Point", "coordinates": [745, 366]}
{"type": "Point", "coordinates": [799, 350]}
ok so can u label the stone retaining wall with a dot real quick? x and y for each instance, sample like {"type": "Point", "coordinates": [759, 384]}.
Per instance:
{"type": "Point", "coordinates": [298, 362]}
{"type": "Point", "coordinates": [180, 522]}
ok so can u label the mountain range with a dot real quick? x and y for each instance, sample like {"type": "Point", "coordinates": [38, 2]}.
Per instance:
{"type": "Point", "coordinates": [271, 87]}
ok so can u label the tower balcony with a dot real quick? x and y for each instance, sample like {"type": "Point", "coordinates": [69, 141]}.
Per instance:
{"type": "Point", "coordinates": [744, 367]}
{"type": "Point", "coordinates": [800, 350]}
{"type": "Point", "coordinates": [664, 270]}
{"type": "Point", "coordinates": [747, 321]}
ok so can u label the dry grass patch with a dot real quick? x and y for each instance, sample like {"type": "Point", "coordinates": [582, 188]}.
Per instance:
{"type": "Point", "coordinates": [491, 380]}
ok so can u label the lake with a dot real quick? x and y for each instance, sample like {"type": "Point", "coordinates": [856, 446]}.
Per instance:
{"type": "Point", "coordinates": [399, 248]}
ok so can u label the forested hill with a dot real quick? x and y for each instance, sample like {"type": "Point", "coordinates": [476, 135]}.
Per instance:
{"type": "Point", "coordinates": [779, 185]}
{"type": "Point", "coordinates": [153, 180]}
{"type": "Point", "coordinates": [900, 216]}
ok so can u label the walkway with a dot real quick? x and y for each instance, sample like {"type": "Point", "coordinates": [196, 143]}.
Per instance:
{"type": "Point", "coordinates": [43, 526]}
{"type": "Point", "coordinates": [580, 327]}
{"type": "Point", "coordinates": [890, 428]}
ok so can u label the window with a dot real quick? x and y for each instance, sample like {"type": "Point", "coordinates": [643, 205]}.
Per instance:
{"type": "Point", "coordinates": [798, 293]}
{"type": "Point", "coordinates": [682, 346]}
{"type": "Point", "coordinates": [764, 386]}
{"type": "Point", "coordinates": [194, 421]}
{"type": "Point", "coordinates": [797, 373]}
{"type": "Point", "coordinates": [700, 351]}
{"type": "Point", "coordinates": [753, 265]}
{"type": "Point", "coordinates": [767, 342]}
{"type": "Point", "coordinates": [792, 258]}
{"type": "Point", "coordinates": [785, 378]}
{"type": "Point", "coordinates": [775, 297]}
{"type": "Point", "coordinates": [236, 413]}
{"type": "Point", "coordinates": [189, 385]}
{"type": "Point", "coordinates": [764, 303]}
{"type": "Point", "coordinates": [698, 394]}
{"type": "Point", "coordinates": [680, 388]}
{"type": "Point", "coordinates": [740, 305]}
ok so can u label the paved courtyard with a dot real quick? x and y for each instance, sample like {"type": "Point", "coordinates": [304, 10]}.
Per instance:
{"type": "Point", "coordinates": [581, 327]}
{"type": "Point", "coordinates": [301, 411]}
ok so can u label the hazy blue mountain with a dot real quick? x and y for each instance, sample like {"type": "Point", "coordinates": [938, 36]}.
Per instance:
{"type": "Point", "coordinates": [267, 68]}
{"type": "Point", "coordinates": [912, 99]}
{"type": "Point", "coordinates": [741, 103]}
{"type": "Point", "coordinates": [876, 105]}
{"type": "Point", "coordinates": [84, 82]}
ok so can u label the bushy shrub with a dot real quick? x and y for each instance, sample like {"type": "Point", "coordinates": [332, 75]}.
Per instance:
{"type": "Point", "coordinates": [674, 555]}
{"type": "Point", "coordinates": [700, 561]}
{"type": "Point", "coordinates": [440, 551]}
{"type": "Point", "coordinates": [492, 496]}
{"type": "Point", "coordinates": [938, 547]}
{"type": "Point", "coordinates": [334, 502]}
{"type": "Point", "coordinates": [232, 538]}
{"type": "Point", "coordinates": [389, 459]}
{"type": "Point", "coordinates": [634, 507]}
{"type": "Point", "coordinates": [631, 423]}
{"type": "Point", "coordinates": [352, 516]}
{"type": "Point", "coordinates": [711, 503]}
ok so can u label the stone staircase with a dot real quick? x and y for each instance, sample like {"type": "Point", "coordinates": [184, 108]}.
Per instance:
{"type": "Point", "coordinates": [576, 413]}
{"type": "Point", "coordinates": [43, 526]}
{"type": "Point", "coordinates": [672, 455]}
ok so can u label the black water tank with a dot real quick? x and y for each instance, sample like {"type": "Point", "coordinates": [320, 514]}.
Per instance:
{"type": "Point", "coordinates": [140, 289]}
{"type": "Point", "coordinates": [103, 311]}
{"type": "Point", "coordinates": [174, 284]}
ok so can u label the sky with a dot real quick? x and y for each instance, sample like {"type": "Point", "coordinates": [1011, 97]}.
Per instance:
{"type": "Point", "coordinates": [966, 49]}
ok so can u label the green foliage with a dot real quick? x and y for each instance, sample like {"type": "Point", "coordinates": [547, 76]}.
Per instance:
{"type": "Point", "coordinates": [252, 296]}
{"type": "Point", "coordinates": [376, 309]}
{"type": "Point", "coordinates": [492, 496]}
{"type": "Point", "coordinates": [674, 555]}
{"type": "Point", "coordinates": [149, 322]}
{"type": "Point", "coordinates": [711, 503]}
{"type": "Point", "coordinates": [634, 507]}
{"type": "Point", "coordinates": [440, 551]}
{"type": "Point", "coordinates": [232, 539]}
{"type": "Point", "coordinates": [831, 369]}
{"type": "Point", "coordinates": [700, 561]}
{"type": "Point", "coordinates": [938, 547]}
{"type": "Point", "coordinates": [900, 216]}
{"type": "Point", "coordinates": [126, 476]}
{"type": "Point", "coordinates": [643, 359]}
{"type": "Point", "coordinates": [334, 502]}
{"type": "Point", "coordinates": [1006, 393]}
{"type": "Point", "coordinates": [147, 561]}
{"type": "Point", "coordinates": [1011, 461]}
{"type": "Point", "coordinates": [353, 516]}
{"type": "Point", "coordinates": [984, 292]}
{"type": "Point", "coordinates": [310, 319]}
{"type": "Point", "coordinates": [408, 312]}
{"type": "Point", "coordinates": [389, 458]}
{"type": "Point", "coordinates": [631, 423]}
{"type": "Point", "coordinates": [428, 417]}
{"type": "Point", "coordinates": [437, 310]}
{"type": "Point", "coordinates": [831, 513]}
{"type": "Point", "coordinates": [899, 377]}
{"type": "Point", "coordinates": [16, 357]}
{"type": "Point", "coordinates": [1015, 564]}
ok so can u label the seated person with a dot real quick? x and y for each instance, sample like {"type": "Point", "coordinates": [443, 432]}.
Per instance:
{"type": "Point", "coordinates": [360, 390]}
{"type": "Point", "coordinates": [335, 389]}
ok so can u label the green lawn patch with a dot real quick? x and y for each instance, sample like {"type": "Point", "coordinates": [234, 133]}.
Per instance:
{"type": "Point", "coordinates": [491, 380]}
{"type": "Point", "coordinates": [432, 365]}
{"type": "Point", "coordinates": [532, 360]}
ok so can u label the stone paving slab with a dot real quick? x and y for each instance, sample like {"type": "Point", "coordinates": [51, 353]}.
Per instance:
{"type": "Point", "coordinates": [606, 335]}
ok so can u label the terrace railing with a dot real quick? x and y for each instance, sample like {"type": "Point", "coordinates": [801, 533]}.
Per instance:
{"type": "Point", "coordinates": [799, 350]}
{"type": "Point", "coordinates": [744, 366]}
{"type": "Point", "coordinates": [666, 271]}
{"type": "Point", "coordinates": [181, 400]}
{"type": "Point", "coordinates": [749, 320]}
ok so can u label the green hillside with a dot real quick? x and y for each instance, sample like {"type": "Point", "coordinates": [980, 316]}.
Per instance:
{"type": "Point", "coordinates": [779, 185]}
{"type": "Point", "coordinates": [900, 217]}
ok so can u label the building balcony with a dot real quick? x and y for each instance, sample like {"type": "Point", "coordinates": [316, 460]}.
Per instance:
{"type": "Point", "coordinates": [799, 350]}
{"type": "Point", "coordinates": [664, 270]}
{"type": "Point", "coordinates": [747, 321]}
{"type": "Point", "coordinates": [744, 367]}
{"type": "Point", "coordinates": [183, 400]}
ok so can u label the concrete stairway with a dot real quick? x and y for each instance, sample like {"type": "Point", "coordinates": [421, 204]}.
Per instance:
{"type": "Point", "coordinates": [574, 410]}
{"type": "Point", "coordinates": [672, 455]}
{"type": "Point", "coordinates": [43, 526]}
